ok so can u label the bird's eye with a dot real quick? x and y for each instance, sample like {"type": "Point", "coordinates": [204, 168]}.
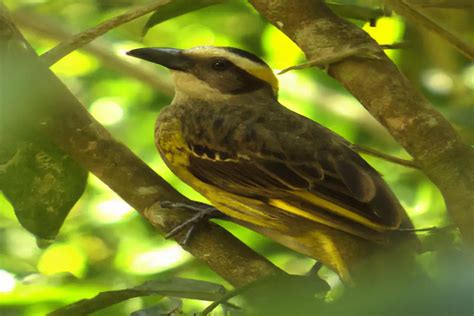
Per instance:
{"type": "Point", "coordinates": [220, 64]}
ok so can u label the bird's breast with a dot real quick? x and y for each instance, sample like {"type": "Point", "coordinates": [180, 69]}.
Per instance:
{"type": "Point", "coordinates": [170, 142]}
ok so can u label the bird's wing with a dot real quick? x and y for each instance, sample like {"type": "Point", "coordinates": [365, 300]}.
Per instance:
{"type": "Point", "coordinates": [322, 180]}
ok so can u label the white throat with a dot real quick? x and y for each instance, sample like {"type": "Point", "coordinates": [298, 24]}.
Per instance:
{"type": "Point", "coordinates": [189, 87]}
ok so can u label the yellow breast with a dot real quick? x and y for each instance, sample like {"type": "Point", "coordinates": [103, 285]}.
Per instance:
{"type": "Point", "coordinates": [175, 152]}
{"type": "Point", "coordinates": [171, 144]}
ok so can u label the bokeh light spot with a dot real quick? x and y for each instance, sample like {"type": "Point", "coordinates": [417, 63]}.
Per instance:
{"type": "Point", "coordinates": [96, 249]}
{"type": "Point", "coordinates": [158, 260]}
{"type": "Point", "coordinates": [468, 76]}
{"type": "Point", "coordinates": [437, 81]}
{"type": "Point", "coordinates": [75, 64]}
{"type": "Point", "coordinates": [7, 281]}
{"type": "Point", "coordinates": [62, 258]}
{"type": "Point", "coordinates": [112, 210]}
{"type": "Point", "coordinates": [107, 111]}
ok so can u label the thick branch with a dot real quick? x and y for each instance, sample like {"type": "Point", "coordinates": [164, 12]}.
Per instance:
{"type": "Point", "coordinates": [389, 97]}
{"type": "Point", "coordinates": [47, 105]}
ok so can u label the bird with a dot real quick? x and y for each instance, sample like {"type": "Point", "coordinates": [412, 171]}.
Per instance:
{"type": "Point", "coordinates": [275, 171]}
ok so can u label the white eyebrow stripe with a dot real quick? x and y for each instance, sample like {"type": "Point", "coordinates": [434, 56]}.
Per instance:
{"type": "Point", "coordinates": [239, 61]}
{"type": "Point", "coordinates": [256, 69]}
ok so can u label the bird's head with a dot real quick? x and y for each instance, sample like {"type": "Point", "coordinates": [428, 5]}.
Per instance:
{"type": "Point", "coordinates": [213, 72]}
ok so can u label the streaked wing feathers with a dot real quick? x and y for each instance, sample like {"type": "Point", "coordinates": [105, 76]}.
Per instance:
{"type": "Point", "coordinates": [357, 180]}
{"type": "Point", "coordinates": [332, 191]}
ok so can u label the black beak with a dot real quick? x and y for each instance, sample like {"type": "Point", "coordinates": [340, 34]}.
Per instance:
{"type": "Point", "coordinates": [169, 57]}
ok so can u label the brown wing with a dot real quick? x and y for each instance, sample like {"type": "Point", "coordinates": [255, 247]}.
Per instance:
{"type": "Point", "coordinates": [333, 191]}
{"type": "Point", "coordinates": [292, 164]}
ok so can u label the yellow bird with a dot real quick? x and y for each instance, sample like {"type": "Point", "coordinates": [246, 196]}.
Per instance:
{"type": "Point", "coordinates": [280, 173]}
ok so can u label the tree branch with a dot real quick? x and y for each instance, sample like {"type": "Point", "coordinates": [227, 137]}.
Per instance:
{"type": "Point", "coordinates": [381, 155]}
{"type": "Point", "coordinates": [399, 45]}
{"type": "Point", "coordinates": [50, 108]}
{"type": "Point", "coordinates": [356, 12]}
{"type": "Point", "coordinates": [451, 4]}
{"type": "Point", "coordinates": [389, 97]}
{"type": "Point", "coordinates": [81, 39]}
{"type": "Point", "coordinates": [407, 11]}
{"type": "Point", "coordinates": [99, 49]}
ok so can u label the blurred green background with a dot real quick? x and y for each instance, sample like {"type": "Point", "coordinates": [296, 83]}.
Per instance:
{"type": "Point", "coordinates": [104, 244]}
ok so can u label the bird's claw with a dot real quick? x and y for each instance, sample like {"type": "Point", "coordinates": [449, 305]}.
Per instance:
{"type": "Point", "coordinates": [203, 211]}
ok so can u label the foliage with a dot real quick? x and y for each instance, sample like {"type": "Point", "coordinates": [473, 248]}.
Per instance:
{"type": "Point", "coordinates": [104, 245]}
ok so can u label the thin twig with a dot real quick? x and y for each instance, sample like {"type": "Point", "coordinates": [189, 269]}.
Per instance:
{"type": "Point", "coordinates": [99, 49]}
{"type": "Point", "coordinates": [357, 12]}
{"type": "Point", "coordinates": [224, 298]}
{"type": "Point", "coordinates": [339, 53]}
{"type": "Point", "coordinates": [171, 287]}
{"type": "Point", "coordinates": [381, 155]}
{"type": "Point", "coordinates": [399, 45]}
{"type": "Point", "coordinates": [443, 4]}
{"type": "Point", "coordinates": [406, 10]}
{"type": "Point", "coordinates": [416, 230]}
{"type": "Point", "coordinates": [55, 54]}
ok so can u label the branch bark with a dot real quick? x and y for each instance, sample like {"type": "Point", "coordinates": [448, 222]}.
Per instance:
{"type": "Point", "coordinates": [388, 96]}
{"type": "Point", "coordinates": [41, 102]}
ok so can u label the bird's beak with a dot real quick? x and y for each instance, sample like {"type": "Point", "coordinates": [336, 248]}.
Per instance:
{"type": "Point", "coordinates": [168, 57]}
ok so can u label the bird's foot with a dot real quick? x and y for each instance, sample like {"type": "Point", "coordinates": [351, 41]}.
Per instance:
{"type": "Point", "coordinates": [203, 211]}
{"type": "Point", "coordinates": [336, 54]}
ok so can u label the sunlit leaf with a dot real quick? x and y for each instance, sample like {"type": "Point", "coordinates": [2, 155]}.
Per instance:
{"type": "Point", "coordinates": [63, 258]}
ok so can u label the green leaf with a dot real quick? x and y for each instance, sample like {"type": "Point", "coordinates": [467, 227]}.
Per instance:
{"type": "Point", "coordinates": [41, 182]}
{"type": "Point", "coordinates": [176, 8]}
